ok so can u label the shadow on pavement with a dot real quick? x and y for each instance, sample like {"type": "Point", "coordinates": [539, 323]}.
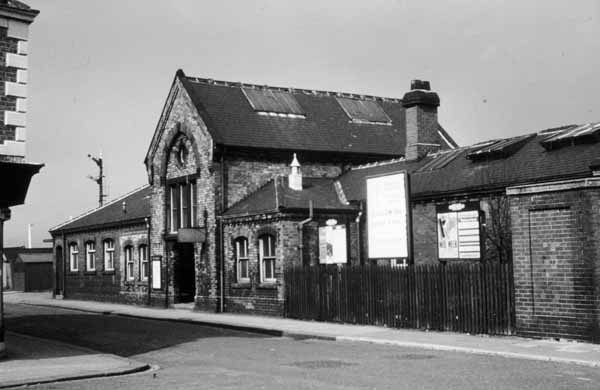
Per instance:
{"type": "Point", "coordinates": [121, 336]}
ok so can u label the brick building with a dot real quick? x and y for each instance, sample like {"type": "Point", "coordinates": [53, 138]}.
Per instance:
{"type": "Point", "coordinates": [246, 180]}
{"type": "Point", "coordinates": [15, 172]}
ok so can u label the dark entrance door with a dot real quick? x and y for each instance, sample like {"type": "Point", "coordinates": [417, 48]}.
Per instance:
{"type": "Point", "coordinates": [59, 271]}
{"type": "Point", "coordinates": [184, 273]}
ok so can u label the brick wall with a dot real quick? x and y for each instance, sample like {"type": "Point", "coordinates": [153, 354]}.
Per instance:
{"type": "Point", "coordinates": [246, 173]}
{"type": "Point", "coordinates": [102, 284]}
{"type": "Point", "coordinates": [184, 124]}
{"type": "Point", "coordinates": [556, 266]}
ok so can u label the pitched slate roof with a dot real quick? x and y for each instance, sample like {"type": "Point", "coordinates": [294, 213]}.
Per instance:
{"type": "Point", "coordinates": [276, 196]}
{"type": "Point", "coordinates": [232, 121]}
{"type": "Point", "coordinates": [137, 207]}
{"type": "Point", "coordinates": [529, 164]}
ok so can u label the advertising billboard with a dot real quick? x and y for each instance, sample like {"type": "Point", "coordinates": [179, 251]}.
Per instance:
{"type": "Point", "coordinates": [388, 216]}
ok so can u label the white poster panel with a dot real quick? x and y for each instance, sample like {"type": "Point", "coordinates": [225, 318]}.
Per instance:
{"type": "Point", "coordinates": [156, 274]}
{"type": "Point", "coordinates": [387, 219]}
{"type": "Point", "coordinates": [458, 235]}
{"type": "Point", "coordinates": [332, 244]}
{"type": "Point", "coordinates": [447, 235]}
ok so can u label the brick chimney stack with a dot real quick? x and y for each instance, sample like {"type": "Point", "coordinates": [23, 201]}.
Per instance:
{"type": "Point", "coordinates": [421, 120]}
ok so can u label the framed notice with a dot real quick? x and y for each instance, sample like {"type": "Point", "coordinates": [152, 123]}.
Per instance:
{"type": "Point", "coordinates": [156, 272]}
{"type": "Point", "coordinates": [332, 244]}
{"type": "Point", "coordinates": [459, 234]}
{"type": "Point", "coordinates": [387, 216]}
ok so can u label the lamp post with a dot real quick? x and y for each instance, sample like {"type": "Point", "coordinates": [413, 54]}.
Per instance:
{"type": "Point", "coordinates": [4, 216]}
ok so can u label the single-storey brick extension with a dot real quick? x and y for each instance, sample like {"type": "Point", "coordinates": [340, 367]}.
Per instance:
{"type": "Point", "coordinates": [246, 180]}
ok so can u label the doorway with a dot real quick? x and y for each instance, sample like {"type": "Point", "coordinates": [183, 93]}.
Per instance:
{"type": "Point", "coordinates": [58, 271]}
{"type": "Point", "coordinates": [184, 273]}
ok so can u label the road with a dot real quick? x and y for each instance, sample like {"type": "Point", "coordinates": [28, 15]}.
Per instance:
{"type": "Point", "coordinates": [191, 356]}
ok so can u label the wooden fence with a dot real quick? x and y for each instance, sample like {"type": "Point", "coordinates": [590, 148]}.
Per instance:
{"type": "Point", "coordinates": [461, 297]}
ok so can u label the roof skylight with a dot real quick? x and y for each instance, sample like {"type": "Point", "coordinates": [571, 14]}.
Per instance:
{"type": "Point", "coordinates": [440, 160]}
{"type": "Point", "coordinates": [275, 102]}
{"type": "Point", "coordinates": [364, 111]}
{"type": "Point", "coordinates": [587, 133]}
{"type": "Point", "coordinates": [500, 149]}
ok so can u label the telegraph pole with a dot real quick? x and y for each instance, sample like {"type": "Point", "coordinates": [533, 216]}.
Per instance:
{"type": "Point", "coordinates": [100, 178]}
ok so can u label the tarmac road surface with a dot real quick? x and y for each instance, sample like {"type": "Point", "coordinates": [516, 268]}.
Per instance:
{"type": "Point", "coordinates": [191, 356]}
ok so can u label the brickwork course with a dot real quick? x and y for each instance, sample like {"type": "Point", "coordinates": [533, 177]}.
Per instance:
{"type": "Point", "coordinates": [238, 155]}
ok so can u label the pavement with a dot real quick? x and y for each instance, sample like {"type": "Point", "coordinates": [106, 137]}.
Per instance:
{"type": "Point", "coordinates": [507, 346]}
{"type": "Point", "coordinates": [31, 360]}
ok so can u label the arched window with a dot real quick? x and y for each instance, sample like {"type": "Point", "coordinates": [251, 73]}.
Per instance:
{"type": "Point", "coordinates": [241, 259]}
{"type": "Point", "coordinates": [109, 255]}
{"type": "Point", "coordinates": [73, 257]}
{"type": "Point", "coordinates": [266, 252]}
{"type": "Point", "coordinates": [144, 266]}
{"type": "Point", "coordinates": [129, 262]}
{"type": "Point", "coordinates": [90, 256]}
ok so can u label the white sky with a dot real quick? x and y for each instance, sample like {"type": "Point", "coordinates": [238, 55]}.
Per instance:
{"type": "Point", "coordinates": [100, 72]}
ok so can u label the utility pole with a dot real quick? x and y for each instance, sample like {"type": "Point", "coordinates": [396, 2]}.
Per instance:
{"type": "Point", "coordinates": [100, 178]}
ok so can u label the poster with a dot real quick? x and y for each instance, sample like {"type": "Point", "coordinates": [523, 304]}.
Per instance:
{"type": "Point", "coordinates": [387, 218]}
{"type": "Point", "coordinates": [156, 274]}
{"type": "Point", "coordinates": [332, 244]}
{"type": "Point", "coordinates": [458, 233]}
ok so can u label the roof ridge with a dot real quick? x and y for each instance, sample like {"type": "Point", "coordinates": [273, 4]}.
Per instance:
{"type": "Point", "coordinates": [313, 92]}
{"type": "Point", "coordinates": [378, 163]}
{"type": "Point", "coordinates": [85, 214]}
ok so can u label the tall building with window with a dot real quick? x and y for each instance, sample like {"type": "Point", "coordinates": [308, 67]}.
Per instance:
{"type": "Point", "coordinates": [15, 171]}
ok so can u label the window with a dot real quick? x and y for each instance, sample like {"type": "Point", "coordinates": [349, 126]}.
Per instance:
{"type": "Point", "coordinates": [109, 255]}
{"type": "Point", "coordinates": [144, 265]}
{"type": "Point", "coordinates": [241, 259]}
{"type": "Point", "coordinates": [364, 111]}
{"type": "Point", "coordinates": [275, 102]}
{"type": "Point", "coordinates": [90, 256]}
{"type": "Point", "coordinates": [73, 257]}
{"type": "Point", "coordinates": [266, 250]}
{"type": "Point", "coordinates": [182, 206]}
{"type": "Point", "coordinates": [129, 262]}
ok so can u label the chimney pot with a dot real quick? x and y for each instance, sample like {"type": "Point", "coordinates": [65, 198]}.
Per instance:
{"type": "Point", "coordinates": [295, 176]}
{"type": "Point", "coordinates": [420, 84]}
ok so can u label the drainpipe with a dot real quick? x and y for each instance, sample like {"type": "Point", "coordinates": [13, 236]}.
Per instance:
{"type": "Point", "coordinates": [167, 246]}
{"type": "Point", "coordinates": [149, 258]}
{"type": "Point", "coordinates": [221, 238]}
{"type": "Point", "coordinates": [64, 266]}
{"type": "Point", "coordinates": [359, 233]}
{"type": "Point", "coordinates": [301, 230]}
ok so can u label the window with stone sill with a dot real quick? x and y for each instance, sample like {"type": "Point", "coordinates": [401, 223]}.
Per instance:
{"type": "Point", "coordinates": [266, 250]}
{"type": "Point", "coordinates": [129, 263]}
{"type": "Point", "coordinates": [90, 256]}
{"type": "Point", "coordinates": [241, 260]}
{"type": "Point", "coordinates": [109, 255]}
{"type": "Point", "coordinates": [73, 257]}
{"type": "Point", "coordinates": [144, 265]}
